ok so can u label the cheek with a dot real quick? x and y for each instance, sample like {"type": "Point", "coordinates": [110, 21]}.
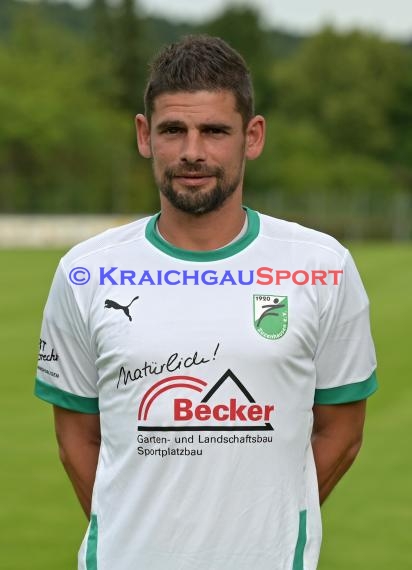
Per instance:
{"type": "Point", "coordinates": [157, 168]}
{"type": "Point", "coordinates": [232, 161]}
{"type": "Point", "coordinates": [231, 152]}
{"type": "Point", "coordinates": [162, 156]}
{"type": "Point", "coordinates": [158, 161]}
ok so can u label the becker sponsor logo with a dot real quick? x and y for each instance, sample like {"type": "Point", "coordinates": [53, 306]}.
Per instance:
{"type": "Point", "coordinates": [210, 409]}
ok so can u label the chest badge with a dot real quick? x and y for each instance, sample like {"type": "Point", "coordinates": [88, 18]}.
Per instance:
{"type": "Point", "coordinates": [270, 315]}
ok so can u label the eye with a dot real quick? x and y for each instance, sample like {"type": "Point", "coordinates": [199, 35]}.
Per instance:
{"type": "Point", "coordinates": [172, 130]}
{"type": "Point", "coordinates": [214, 130]}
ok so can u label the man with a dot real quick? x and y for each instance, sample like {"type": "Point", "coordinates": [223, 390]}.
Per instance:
{"type": "Point", "coordinates": [206, 362]}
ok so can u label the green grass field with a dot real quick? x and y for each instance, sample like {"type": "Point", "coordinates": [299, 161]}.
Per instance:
{"type": "Point", "coordinates": [368, 518]}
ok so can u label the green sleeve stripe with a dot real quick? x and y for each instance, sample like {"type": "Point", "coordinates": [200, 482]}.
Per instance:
{"type": "Point", "coordinates": [300, 543]}
{"type": "Point", "coordinates": [91, 551]}
{"type": "Point", "coordinates": [64, 399]}
{"type": "Point", "coordinates": [349, 393]}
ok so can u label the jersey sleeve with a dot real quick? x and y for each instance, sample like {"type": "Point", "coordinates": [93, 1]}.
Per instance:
{"type": "Point", "coordinates": [345, 356]}
{"type": "Point", "coordinates": [66, 373]}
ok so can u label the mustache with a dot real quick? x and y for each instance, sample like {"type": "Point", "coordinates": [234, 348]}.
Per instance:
{"type": "Point", "coordinates": [192, 168]}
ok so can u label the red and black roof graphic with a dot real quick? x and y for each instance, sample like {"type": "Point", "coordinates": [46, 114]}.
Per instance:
{"type": "Point", "coordinates": [242, 417]}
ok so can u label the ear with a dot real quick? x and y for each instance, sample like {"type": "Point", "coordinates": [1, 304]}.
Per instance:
{"type": "Point", "coordinates": [143, 136]}
{"type": "Point", "coordinates": [255, 137]}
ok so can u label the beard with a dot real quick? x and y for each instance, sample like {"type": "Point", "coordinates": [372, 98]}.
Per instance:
{"type": "Point", "coordinates": [194, 200]}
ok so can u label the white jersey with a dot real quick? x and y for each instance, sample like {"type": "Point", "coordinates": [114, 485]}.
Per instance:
{"type": "Point", "coordinates": [204, 367]}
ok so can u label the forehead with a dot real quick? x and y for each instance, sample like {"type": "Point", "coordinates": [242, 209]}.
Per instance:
{"type": "Point", "coordinates": [196, 106]}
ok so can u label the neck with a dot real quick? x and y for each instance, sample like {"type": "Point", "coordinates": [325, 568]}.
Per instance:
{"type": "Point", "coordinates": [205, 232]}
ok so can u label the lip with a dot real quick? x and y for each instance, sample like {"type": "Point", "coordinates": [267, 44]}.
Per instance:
{"type": "Point", "coordinates": [193, 180]}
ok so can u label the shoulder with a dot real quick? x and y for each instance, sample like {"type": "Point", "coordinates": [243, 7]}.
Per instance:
{"type": "Point", "coordinates": [300, 239]}
{"type": "Point", "coordinates": [107, 243]}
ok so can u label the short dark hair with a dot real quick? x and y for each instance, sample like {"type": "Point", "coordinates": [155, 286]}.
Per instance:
{"type": "Point", "coordinates": [197, 63]}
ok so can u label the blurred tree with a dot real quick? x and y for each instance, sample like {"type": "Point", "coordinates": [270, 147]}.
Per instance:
{"type": "Point", "coordinates": [62, 148]}
{"type": "Point", "coordinates": [341, 107]}
{"type": "Point", "coordinates": [101, 40]}
{"type": "Point", "coordinates": [294, 157]}
{"type": "Point", "coordinates": [400, 120]}
{"type": "Point", "coordinates": [102, 25]}
{"type": "Point", "coordinates": [129, 54]}
{"type": "Point", "coordinates": [339, 110]}
{"type": "Point", "coordinates": [298, 156]}
{"type": "Point", "coordinates": [240, 27]}
{"type": "Point", "coordinates": [346, 84]}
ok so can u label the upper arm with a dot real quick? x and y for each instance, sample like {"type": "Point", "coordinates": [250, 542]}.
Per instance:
{"type": "Point", "coordinates": [342, 422]}
{"type": "Point", "coordinates": [336, 441]}
{"type": "Point", "coordinates": [74, 429]}
{"type": "Point", "coordinates": [78, 437]}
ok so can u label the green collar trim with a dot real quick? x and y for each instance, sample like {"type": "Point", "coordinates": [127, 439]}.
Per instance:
{"type": "Point", "coordinates": [213, 255]}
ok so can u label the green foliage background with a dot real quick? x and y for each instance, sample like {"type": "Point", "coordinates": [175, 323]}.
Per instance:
{"type": "Point", "coordinates": [338, 107]}
{"type": "Point", "coordinates": [368, 517]}
{"type": "Point", "coordinates": [338, 157]}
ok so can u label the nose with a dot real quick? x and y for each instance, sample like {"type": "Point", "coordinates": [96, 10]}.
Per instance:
{"type": "Point", "coordinates": [192, 148]}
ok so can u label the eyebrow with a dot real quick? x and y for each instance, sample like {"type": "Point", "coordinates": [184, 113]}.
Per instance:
{"type": "Point", "coordinates": [181, 125]}
{"type": "Point", "coordinates": [218, 126]}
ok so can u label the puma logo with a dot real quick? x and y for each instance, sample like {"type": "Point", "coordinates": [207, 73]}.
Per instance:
{"type": "Point", "coordinates": [109, 304]}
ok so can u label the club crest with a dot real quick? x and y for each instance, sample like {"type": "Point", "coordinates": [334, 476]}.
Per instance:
{"type": "Point", "coordinates": [270, 315]}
